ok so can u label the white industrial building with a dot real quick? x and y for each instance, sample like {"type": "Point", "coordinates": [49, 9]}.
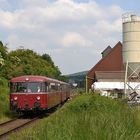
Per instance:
{"type": "Point", "coordinates": [118, 72]}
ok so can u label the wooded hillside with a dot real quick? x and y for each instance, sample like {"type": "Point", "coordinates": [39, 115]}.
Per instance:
{"type": "Point", "coordinates": [26, 62]}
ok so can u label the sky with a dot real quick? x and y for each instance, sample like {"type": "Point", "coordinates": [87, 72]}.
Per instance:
{"type": "Point", "coordinates": [72, 32]}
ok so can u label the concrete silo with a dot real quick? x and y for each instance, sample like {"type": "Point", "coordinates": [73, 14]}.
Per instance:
{"type": "Point", "coordinates": [131, 49]}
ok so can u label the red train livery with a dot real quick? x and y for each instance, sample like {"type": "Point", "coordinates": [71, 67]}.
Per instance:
{"type": "Point", "coordinates": [37, 93]}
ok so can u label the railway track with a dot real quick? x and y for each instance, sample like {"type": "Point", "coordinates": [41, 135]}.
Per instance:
{"type": "Point", "coordinates": [16, 124]}
{"type": "Point", "coordinates": [11, 126]}
{"type": "Point", "coordinates": [4, 123]}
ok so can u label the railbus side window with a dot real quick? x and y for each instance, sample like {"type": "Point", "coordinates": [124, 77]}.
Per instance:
{"type": "Point", "coordinates": [43, 87]}
{"type": "Point", "coordinates": [56, 87]}
{"type": "Point", "coordinates": [49, 87]}
{"type": "Point", "coordinates": [53, 87]}
{"type": "Point", "coordinates": [46, 87]}
{"type": "Point", "coordinates": [59, 87]}
{"type": "Point", "coordinates": [64, 88]}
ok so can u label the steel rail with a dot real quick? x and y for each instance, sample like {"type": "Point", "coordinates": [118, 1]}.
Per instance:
{"type": "Point", "coordinates": [5, 134]}
{"type": "Point", "coordinates": [4, 123]}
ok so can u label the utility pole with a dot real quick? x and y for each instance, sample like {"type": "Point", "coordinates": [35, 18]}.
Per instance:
{"type": "Point", "coordinates": [86, 85]}
{"type": "Point", "coordinates": [125, 81]}
{"type": "Point", "coordinates": [87, 82]}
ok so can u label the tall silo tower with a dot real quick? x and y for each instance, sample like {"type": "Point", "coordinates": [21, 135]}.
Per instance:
{"type": "Point", "coordinates": [131, 49]}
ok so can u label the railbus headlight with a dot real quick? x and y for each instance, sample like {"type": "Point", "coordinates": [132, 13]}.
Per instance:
{"type": "Point", "coordinates": [15, 98]}
{"type": "Point", "coordinates": [38, 97]}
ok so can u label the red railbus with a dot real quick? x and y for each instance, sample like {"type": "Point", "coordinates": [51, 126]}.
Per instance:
{"type": "Point", "coordinates": [37, 93]}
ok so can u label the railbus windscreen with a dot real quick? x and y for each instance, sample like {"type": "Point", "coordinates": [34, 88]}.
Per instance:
{"type": "Point", "coordinates": [28, 87]}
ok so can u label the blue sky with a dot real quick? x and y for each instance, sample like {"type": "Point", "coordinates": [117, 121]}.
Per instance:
{"type": "Point", "coordinates": [126, 5]}
{"type": "Point", "coordinates": [73, 32]}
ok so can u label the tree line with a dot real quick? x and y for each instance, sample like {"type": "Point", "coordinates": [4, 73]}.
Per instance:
{"type": "Point", "coordinates": [26, 62]}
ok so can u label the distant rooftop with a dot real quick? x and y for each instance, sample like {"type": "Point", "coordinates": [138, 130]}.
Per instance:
{"type": "Point", "coordinates": [106, 51]}
{"type": "Point", "coordinates": [110, 76]}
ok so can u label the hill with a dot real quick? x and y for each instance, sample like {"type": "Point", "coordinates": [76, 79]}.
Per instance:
{"type": "Point", "coordinates": [78, 78]}
{"type": "Point", "coordinates": [83, 73]}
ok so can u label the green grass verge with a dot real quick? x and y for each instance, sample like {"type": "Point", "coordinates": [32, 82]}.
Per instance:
{"type": "Point", "coordinates": [87, 117]}
{"type": "Point", "coordinates": [4, 100]}
{"type": "Point", "coordinates": [5, 113]}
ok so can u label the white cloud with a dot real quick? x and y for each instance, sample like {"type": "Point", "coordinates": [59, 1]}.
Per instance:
{"type": "Point", "coordinates": [73, 39]}
{"type": "Point", "coordinates": [32, 3]}
{"type": "Point", "coordinates": [4, 4]}
{"type": "Point", "coordinates": [61, 10]}
{"type": "Point", "coordinates": [63, 28]}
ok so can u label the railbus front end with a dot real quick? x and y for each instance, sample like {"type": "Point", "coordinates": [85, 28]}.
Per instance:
{"type": "Point", "coordinates": [28, 96]}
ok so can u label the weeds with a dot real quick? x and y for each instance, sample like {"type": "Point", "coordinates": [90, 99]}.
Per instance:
{"type": "Point", "coordinates": [88, 117]}
{"type": "Point", "coordinates": [5, 113]}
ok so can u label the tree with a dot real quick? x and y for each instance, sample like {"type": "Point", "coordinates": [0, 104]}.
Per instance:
{"type": "Point", "coordinates": [26, 62]}
{"type": "Point", "coordinates": [3, 50]}
{"type": "Point", "coordinates": [47, 58]}
{"type": "Point", "coordinates": [1, 60]}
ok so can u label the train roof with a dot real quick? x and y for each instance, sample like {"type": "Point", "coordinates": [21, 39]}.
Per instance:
{"type": "Point", "coordinates": [34, 78]}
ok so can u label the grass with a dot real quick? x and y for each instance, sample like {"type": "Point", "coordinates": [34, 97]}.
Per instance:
{"type": "Point", "coordinates": [4, 100]}
{"type": "Point", "coordinates": [5, 113]}
{"type": "Point", "coordinates": [87, 117]}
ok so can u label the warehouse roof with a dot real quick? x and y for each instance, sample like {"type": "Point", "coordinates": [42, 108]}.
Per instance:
{"type": "Point", "coordinates": [104, 76]}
